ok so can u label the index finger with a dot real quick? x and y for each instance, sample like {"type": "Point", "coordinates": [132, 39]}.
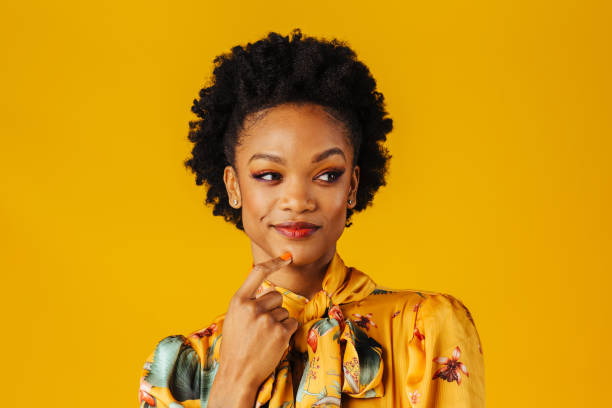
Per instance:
{"type": "Point", "coordinates": [260, 272]}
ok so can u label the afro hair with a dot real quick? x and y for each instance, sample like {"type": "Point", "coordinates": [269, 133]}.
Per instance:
{"type": "Point", "coordinates": [277, 70]}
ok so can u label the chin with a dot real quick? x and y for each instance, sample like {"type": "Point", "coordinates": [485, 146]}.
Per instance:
{"type": "Point", "coordinates": [304, 253]}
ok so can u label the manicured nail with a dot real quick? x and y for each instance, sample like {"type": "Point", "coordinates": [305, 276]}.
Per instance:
{"type": "Point", "coordinates": [286, 256]}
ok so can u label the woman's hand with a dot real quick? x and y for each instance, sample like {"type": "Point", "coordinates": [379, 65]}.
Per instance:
{"type": "Point", "coordinates": [256, 332]}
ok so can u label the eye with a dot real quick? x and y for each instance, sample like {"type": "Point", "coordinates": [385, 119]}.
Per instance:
{"type": "Point", "coordinates": [332, 175]}
{"type": "Point", "coordinates": [267, 176]}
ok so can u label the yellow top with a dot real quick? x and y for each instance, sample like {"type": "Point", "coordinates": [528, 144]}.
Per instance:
{"type": "Point", "coordinates": [358, 344]}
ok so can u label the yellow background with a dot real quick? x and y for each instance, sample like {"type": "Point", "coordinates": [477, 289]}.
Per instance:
{"type": "Point", "coordinates": [499, 189]}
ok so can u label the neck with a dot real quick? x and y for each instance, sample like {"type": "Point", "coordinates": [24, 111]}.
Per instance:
{"type": "Point", "coordinates": [304, 280]}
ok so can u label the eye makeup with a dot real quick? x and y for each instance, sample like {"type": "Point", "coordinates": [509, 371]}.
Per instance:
{"type": "Point", "coordinates": [333, 175]}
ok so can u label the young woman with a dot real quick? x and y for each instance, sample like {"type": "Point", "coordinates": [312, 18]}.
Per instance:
{"type": "Point", "coordinates": [289, 143]}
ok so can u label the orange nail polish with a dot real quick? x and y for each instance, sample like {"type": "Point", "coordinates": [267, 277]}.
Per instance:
{"type": "Point", "coordinates": [286, 255]}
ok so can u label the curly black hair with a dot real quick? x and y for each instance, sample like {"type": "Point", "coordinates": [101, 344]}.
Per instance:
{"type": "Point", "coordinates": [277, 70]}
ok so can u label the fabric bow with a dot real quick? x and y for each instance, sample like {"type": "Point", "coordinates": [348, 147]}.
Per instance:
{"type": "Point", "coordinates": [336, 355]}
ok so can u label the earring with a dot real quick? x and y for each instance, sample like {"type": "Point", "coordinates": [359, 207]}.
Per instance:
{"type": "Point", "coordinates": [350, 201]}
{"type": "Point", "coordinates": [235, 201]}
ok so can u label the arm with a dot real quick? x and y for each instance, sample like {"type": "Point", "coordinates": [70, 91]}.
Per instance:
{"type": "Point", "coordinates": [229, 390]}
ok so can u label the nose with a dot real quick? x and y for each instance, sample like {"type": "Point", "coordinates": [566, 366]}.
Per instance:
{"type": "Point", "coordinates": [297, 197]}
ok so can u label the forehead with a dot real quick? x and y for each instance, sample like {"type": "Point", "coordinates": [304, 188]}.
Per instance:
{"type": "Point", "coordinates": [293, 129]}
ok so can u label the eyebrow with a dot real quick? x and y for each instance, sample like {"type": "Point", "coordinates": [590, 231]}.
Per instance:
{"type": "Point", "coordinates": [319, 157]}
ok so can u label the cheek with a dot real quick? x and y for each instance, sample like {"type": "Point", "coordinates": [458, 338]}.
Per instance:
{"type": "Point", "coordinates": [334, 200]}
{"type": "Point", "coordinates": [256, 204]}
{"type": "Point", "coordinates": [333, 205]}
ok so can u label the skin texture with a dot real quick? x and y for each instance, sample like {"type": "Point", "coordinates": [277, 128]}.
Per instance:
{"type": "Point", "coordinates": [292, 186]}
{"type": "Point", "coordinates": [295, 190]}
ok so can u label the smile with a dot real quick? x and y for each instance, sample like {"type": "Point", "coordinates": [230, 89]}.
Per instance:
{"type": "Point", "coordinates": [296, 230]}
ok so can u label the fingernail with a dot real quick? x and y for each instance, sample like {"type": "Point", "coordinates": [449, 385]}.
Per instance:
{"type": "Point", "coordinates": [286, 256]}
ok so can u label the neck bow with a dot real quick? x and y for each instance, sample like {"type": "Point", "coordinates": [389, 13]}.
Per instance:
{"type": "Point", "coordinates": [333, 353]}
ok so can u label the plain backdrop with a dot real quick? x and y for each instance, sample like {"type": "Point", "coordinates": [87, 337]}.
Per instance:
{"type": "Point", "coordinates": [499, 189]}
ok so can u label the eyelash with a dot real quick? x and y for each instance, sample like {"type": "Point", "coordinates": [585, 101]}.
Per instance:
{"type": "Point", "coordinates": [335, 173]}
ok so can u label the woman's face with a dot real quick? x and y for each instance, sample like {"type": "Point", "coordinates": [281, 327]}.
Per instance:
{"type": "Point", "coordinates": [294, 164]}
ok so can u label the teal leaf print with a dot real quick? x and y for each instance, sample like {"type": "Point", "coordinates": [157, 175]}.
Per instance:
{"type": "Point", "coordinates": [323, 399]}
{"type": "Point", "coordinates": [334, 401]}
{"type": "Point", "coordinates": [380, 292]}
{"type": "Point", "coordinates": [368, 352]}
{"type": "Point", "coordinates": [184, 383]}
{"type": "Point", "coordinates": [208, 376]}
{"type": "Point", "coordinates": [164, 358]}
{"type": "Point", "coordinates": [324, 325]}
{"type": "Point", "coordinates": [176, 366]}
{"type": "Point", "coordinates": [210, 352]}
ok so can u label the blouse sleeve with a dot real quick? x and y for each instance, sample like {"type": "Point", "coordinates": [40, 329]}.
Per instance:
{"type": "Point", "coordinates": [445, 361]}
{"type": "Point", "coordinates": [179, 371]}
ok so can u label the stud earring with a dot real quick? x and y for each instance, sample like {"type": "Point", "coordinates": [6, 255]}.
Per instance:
{"type": "Point", "coordinates": [350, 201]}
{"type": "Point", "coordinates": [235, 201]}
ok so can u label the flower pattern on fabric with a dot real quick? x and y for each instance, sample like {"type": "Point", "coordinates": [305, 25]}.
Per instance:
{"type": "Point", "coordinates": [314, 366]}
{"type": "Point", "coordinates": [414, 397]}
{"type": "Point", "coordinates": [144, 393]}
{"type": "Point", "coordinates": [418, 334]}
{"type": "Point", "coordinates": [336, 313]}
{"type": "Point", "coordinates": [453, 367]}
{"type": "Point", "coordinates": [207, 332]}
{"type": "Point", "coordinates": [364, 321]}
{"type": "Point", "coordinates": [351, 372]}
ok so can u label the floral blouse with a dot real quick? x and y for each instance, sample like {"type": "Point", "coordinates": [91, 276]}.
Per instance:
{"type": "Point", "coordinates": [359, 344]}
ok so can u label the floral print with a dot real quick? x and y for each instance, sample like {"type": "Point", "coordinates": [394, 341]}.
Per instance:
{"type": "Point", "coordinates": [207, 332]}
{"type": "Point", "coordinates": [453, 367]}
{"type": "Point", "coordinates": [314, 366]}
{"type": "Point", "coordinates": [364, 321]}
{"type": "Point", "coordinates": [418, 334]}
{"type": "Point", "coordinates": [313, 339]}
{"type": "Point", "coordinates": [414, 397]}
{"type": "Point", "coordinates": [351, 373]}
{"type": "Point", "coordinates": [336, 313]}
{"type": "Point", "coordinates": [144, 393]}
{"type": "Point", "coordinates": [349, 332]}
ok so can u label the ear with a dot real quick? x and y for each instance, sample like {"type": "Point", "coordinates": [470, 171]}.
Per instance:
{"type": "Point", "coordinates": [353, 187]}
{"type": "Point", "coordinates": [230, 178]}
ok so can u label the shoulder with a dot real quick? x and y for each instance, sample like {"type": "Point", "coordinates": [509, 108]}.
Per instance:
{"type": "Point", "coordinates": [443, 306]}
{"type": "Point", "coordinates": [199, 340]}
{"type": "Point", "coordinates": [433, 309]}
{"type": "Point", "coordinates": [430, 302]}
{"type": "Point", "coordinates": [198, 344]}
{"type": "Point", "coordinates": [393, 298]}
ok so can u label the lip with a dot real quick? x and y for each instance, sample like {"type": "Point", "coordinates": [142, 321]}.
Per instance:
{"type": "Point", "coordinates": [296, 230]}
